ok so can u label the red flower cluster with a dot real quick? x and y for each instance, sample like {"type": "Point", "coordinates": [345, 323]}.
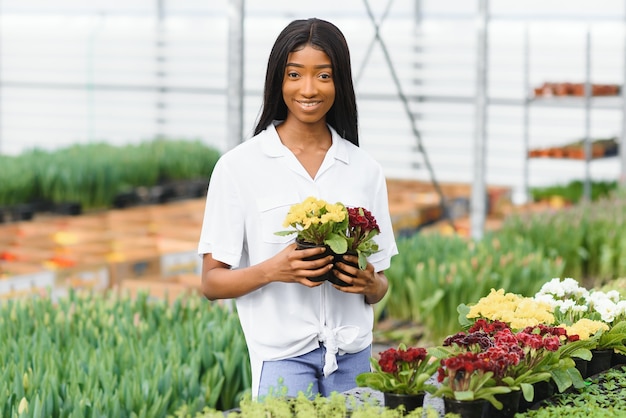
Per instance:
{"type": "Point", "coordinates": [361, 220]}
{"type": "Point", "coordinates": [390, 359]}
{"type": "Point", "coordinates": [493, 346]}
{"type": "Point", "coordinates": [490, 327]}
{"type": "Point", "coordinates": [460, 368]}
{"type": "Point", "coordinates": [476, 339]}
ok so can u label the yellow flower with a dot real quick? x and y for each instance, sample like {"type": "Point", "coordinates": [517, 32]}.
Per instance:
{"type": "Point", "coordinates": [318, 222]}
{"type": "Point", "coordinates": [519, 312]}
{"type": "Point", "coordinates": [585, 328]}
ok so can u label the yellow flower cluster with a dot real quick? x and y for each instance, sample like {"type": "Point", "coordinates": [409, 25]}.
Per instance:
{"type": "Point", "coordinates": [585, 328]}
{"type": "Point", "coordinates": [519, 312]}
{"type": "Point", "coordinates": [312, 211]}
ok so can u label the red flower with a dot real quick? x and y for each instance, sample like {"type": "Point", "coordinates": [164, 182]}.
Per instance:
{"type": "Point", "coordinates": [489, 327]}
{"type": "Point", "coordinates": [552, 343]}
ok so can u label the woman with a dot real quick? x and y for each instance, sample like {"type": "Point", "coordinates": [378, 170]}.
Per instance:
{"type": "Point", "coordinates": [306, 336]}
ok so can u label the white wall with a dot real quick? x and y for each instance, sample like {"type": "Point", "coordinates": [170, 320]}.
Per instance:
{"type": "Point", "coordinates": [78, 72]}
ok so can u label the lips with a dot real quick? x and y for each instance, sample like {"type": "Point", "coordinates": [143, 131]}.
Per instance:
{"type": "Point", "coordinates": [308, 104]}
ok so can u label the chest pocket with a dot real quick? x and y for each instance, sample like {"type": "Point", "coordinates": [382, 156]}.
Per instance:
{"type": "Point", "coordinates": [272, 213]}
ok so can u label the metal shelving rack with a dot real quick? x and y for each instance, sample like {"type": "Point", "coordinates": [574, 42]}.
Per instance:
{"type": "Point", "coordinates": [588, 102]}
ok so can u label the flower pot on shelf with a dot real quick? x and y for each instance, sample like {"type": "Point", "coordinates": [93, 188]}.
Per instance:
{"type": "Point", "coordinates": [618, 359]}
{"type": "Point", "coordinates": [600, 361]}
{"type": "Point", "coordinates": [68, 208]}
{"type": "Point", "coordinates": [581, 365]}
{"type": "Point", "coordinates": [510, 405]}
{"type": "Point", "coordinates": [23, 212]}
{"type": "Point", "coordinates": [410, 402]}
{"type": "Point", "coordinates": [326, 276]}
{"type": "Point", "coordinates": [478, 408]}
{"type": "Point", "coordinates": [543, 390]}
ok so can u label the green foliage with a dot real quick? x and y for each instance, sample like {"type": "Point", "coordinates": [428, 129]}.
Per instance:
{"type": "Point", "coordinates": [573, 191]}
{"type": "Point", "coordinates": [334, 406]}
{"type": "Point", "coordinates": [603, 397]}
{"type": "Point", "coordinates": [93, 174]}
{"type": "Point", "coordinates": [21, 187]}
{"type": "Point", "coordinates": [590, 237]}
{"type": "Point", "coordinates": [434, 274]}
{"type": "Point", "coordinates": [97, 356]}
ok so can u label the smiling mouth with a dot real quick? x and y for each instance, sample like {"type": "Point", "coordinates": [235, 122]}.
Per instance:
{"type": "Point", "coordinates": [308, 104]}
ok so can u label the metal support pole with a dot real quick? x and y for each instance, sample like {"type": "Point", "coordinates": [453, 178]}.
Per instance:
{"type": "Point", "coordinates": [587, 138]}
{"type": "Point", "coordinates": [161, 75]}
{"type": "Point", "coordinates": [622, 142]}
{"type": "Point", "coordinates": [1, 81]}
{"type": "Point", "coordinates": [479, 195]}
{"type": "Point", "coordinates": [235, 73]}
{"type": "Point", "coordinates": [526, 115]}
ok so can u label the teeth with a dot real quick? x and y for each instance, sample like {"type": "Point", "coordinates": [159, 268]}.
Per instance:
{"type": "Point", "coordinates": [308, 104]}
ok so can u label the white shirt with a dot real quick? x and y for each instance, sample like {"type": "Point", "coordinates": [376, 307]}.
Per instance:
{"type": "Point", "coordinates": [251, 190]}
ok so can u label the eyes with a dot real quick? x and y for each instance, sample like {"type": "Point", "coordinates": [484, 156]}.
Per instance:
{"type": "Point", "coordinates": [294, 75]}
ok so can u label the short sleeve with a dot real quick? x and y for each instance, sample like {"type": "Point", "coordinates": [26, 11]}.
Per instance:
{"type": "Point", "coordinates": [222, 232]}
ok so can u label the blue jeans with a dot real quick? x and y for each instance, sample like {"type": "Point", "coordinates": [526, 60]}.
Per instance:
{"type": "Point", "coordinates": [305, 374]}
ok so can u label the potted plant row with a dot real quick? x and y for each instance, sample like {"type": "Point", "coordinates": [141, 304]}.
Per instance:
{"type": "Point", "coordinates": [514, 351]}
{"type": "Point", "coordinates": [99, 175]}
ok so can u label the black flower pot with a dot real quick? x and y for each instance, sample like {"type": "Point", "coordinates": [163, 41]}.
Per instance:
{"type": "Point", "coordinates": [126, 199]}
{"type": "Point", "coordinates": [69, 208]}
{"type": "Point", "coordinates": [326, 276]}
{"type": "Point", "coordinates": [339, 259]}
{"type": "Point", "coordinates": [23, 212]}
{"type": "Point", "coordinates": [581, 365]}
{"type": "Point", "coordinates": [478, 408]}
{"type": "Point", "coordinates": [618, 359]}
{"type": "Point", "coordinates": [600, 361]}
{"type": "Point", "coordinates": [410, 402]}
{"type": "Point", "coordinates": [542, 390]}
{"type": "Point", "coordinates": [510, 405]}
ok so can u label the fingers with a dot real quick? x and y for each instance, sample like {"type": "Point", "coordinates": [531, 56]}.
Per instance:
{"type": "Point", "coordinates": [359, 281]}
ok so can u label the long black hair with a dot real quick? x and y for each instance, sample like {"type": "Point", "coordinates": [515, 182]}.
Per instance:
{"type": "Point", "coordinates": [326, 37]}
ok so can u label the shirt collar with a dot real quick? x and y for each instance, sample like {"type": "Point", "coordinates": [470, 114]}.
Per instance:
{"type": "Point", "coordinates": [272, 147]}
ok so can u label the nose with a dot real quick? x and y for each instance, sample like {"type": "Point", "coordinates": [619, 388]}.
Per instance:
{"type": "Point", "coordinates": [309, 86]}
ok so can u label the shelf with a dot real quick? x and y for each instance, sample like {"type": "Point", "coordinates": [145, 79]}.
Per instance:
{"type": "Point", "coordinates": [600, 148]}
{"type": "Point", "coordinates": [596, 102]}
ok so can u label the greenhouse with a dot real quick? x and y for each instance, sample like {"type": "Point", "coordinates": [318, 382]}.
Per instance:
{"type": "Point", "coordinates": [490, 153]}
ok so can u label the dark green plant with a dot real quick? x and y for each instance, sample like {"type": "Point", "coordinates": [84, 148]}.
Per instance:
{"type": "Point", "coordinates": [94, 174]}
{"type": "Point", "coordinates": [434, 274]}
{"type": "Point", "coordinates": [99, 355]}
{"type": "Point", "coordinates": [604, 396]}
{"type": "Point", "coordinates": [573, 191]}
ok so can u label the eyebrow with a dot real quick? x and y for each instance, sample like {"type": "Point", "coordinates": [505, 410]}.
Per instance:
{"type": "Point", "coordinates": [293, 64]}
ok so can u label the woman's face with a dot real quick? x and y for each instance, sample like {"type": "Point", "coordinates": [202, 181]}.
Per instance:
{"type": "Point", "coordinates": [308, 86]}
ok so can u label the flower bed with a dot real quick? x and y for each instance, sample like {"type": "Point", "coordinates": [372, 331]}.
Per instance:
{"type": "Point", "coordinates": [513, 344]}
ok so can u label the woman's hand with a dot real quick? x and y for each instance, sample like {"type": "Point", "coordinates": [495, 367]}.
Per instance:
{"type": "Point", "coordinates": [219, 281]}
{"type": "Point", "coordinates": [290, 266]}
{"type": "Point", "coordinates": [367, 282]}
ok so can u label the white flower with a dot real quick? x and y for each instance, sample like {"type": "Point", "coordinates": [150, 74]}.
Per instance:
{"type": "Point", "coordinates": [606, 308]}
{"type": "Point", "coordinates": [568, 288]}
{"type": "Point", "coordinates": [566, 305]}
{"type": "Point", "coordinates": [580, 308]}
{"type": "Point", "coordinates": [613, 295]}
{"type": "Point", "coordinates": [553, 287]}
{"type": "Point", "coordinates": [548, 299]}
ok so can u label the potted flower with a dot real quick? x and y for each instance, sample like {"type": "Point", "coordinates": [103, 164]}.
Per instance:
{"type": "Point", "coordinates": [500, 352]}
{"type": "Point", "coordinates": [520, 361]}
{"type": "Point", "coordinates": [468, 384]}
{"type": "Point", "coordinates": [318, 222]}
{"type": "Point", "coordinates": [605, 340]}
{"type": "Point", "coordinates": [362, 228]}
{"type": "Point", "coordinates": [517, 311]}
{"type": "Point", "coordinates": [401, 375]}
{"type": "Point", "coordinates": [340, 229]}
